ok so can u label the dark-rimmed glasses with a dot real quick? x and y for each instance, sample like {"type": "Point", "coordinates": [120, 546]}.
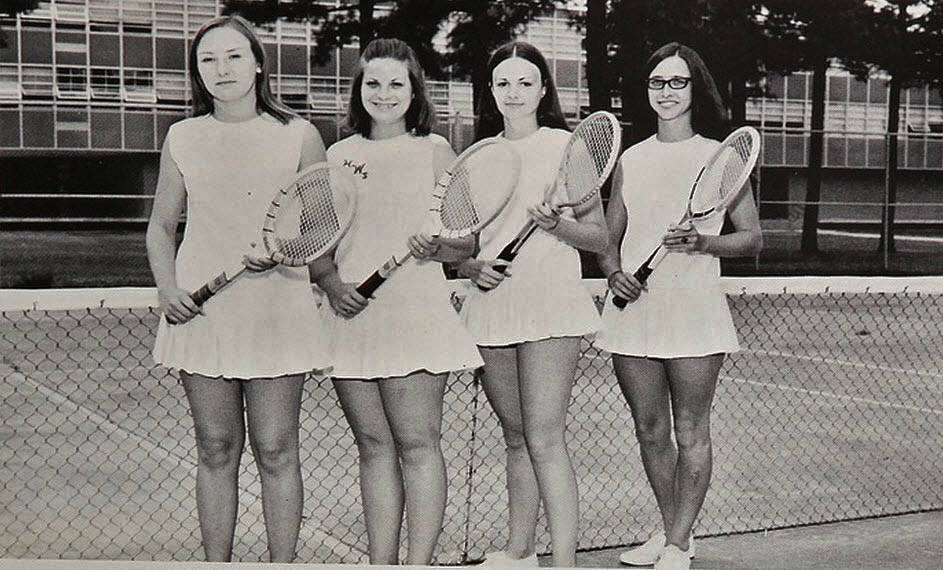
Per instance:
{"type": "Point", "coordinates": [658, 83]}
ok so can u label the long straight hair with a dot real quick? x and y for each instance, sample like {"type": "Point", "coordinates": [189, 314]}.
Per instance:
{"type": "Point", "coordinates": [549, 113]}
{"type": "Point", "coordinates": [420, 117]}
{"type": "Point", "coordinates": [265, 102]}
{"type": "Point", "coordinates": [708, 114]}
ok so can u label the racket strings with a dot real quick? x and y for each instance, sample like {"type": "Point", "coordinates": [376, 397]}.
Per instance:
{"type": "Point", "coordinates": [477, 189]}
{"type": "Point", "coordinates": [458, 210]}
{"type": "Point", "coordinates": [307, 220]}
{"type": "Point", "coordinates": [722, 176]}
{"type": "Point", "coordinates": [588, 156]}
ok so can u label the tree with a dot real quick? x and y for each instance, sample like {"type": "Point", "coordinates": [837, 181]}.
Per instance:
{"type": "Point", "coordinates": [813, 36]}
{"type": "Point", "coordinates": [727, 33]}
{"type": "Point", "coordinates": [481, 26]}
{"type": "Point", "coordinates": [477, 28]}
{"type": "Point", "coordinates": [905, 44]}
{"type": "Point", "coordinates": [596, 45]}
{"type": "Point", "coordinates": [10, 8]}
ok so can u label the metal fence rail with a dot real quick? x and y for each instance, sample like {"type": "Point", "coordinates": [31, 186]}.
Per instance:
{"type": "Point", "coordinates": [832, 410]}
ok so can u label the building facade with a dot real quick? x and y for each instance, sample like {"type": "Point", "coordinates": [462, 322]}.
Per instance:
{"type": "Point", "coordinates": [88, 89]}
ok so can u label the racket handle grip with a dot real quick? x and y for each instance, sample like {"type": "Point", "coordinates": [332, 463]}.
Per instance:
{"type": "Point", "coordinates": [504, 256]}
{"type": "Point", "coordinates": [204, 293]}
{"type": "Point", "coordinates": [371, 284]}
{"type": "Point", "coordinates": [641, 275]}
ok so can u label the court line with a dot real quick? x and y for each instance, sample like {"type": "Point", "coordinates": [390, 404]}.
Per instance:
{"type": "Point", "coordinates": [112, 428]}
{"type": "Point", "coordinates": [855, 399]}
{"type": "Point", "coordinates": [825, 360]}
{"type": "Point", "coordinates": [851, 234]}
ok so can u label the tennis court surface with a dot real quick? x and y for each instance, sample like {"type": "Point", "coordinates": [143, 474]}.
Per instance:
{"type": "Point", "coordinates": [832, 411]}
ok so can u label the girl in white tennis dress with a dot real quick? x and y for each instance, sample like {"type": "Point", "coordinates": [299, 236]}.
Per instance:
{"type": "Point", "coordinates": [392, 353]}
{"type": "Point", "coordinates": [669, 342]}
{"type": "Point", "coordinates": [243, 356]}
{"type": "Point", "coordinates": [529, 322]}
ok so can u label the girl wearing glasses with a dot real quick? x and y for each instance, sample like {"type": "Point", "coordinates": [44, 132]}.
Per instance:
{"type": "Point", "coordinates": [669, 342]}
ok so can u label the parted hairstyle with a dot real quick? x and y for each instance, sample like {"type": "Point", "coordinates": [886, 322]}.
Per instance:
{"type": "Point", "coordinates": [265, 101]}
{"type": "Point", "coordinates": [708, 114]}
{"type": "Point", "coordinates": [549, 113]}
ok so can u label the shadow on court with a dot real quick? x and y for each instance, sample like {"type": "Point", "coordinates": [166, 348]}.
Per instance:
{"type": "Point", "coordinates": [903, 541]}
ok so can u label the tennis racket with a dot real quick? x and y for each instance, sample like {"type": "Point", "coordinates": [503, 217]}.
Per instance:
{"type": "Point", "coordinates": [303, 222]}
{"type": "Point", "coordinates": [717, 185]}
{"type": "Point", "coordinates": [467, 196]}
{"type": "Point", "coordinates": [588, 159]}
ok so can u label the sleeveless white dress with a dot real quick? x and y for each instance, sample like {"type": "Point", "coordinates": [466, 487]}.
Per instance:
{"type": "Point", "coordinates": [684, 312]}
{"type": "Point", "coordinates": [544, 297]}
{"type": "Point", "coordinates": [263, 324]}
{"type": "Point", "coordinates": [410, 325]}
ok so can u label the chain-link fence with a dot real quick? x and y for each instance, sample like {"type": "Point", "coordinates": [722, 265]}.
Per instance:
{"type": "Point", "coordinates": [833, 409]}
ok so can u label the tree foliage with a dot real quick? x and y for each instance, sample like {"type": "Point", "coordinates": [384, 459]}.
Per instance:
{"type": "Point", "coordinates": [10, 8]}
{"type": "Point", "coordinates": [475, 27]}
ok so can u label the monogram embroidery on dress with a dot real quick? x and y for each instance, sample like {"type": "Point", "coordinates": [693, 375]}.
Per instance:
{"type": "Point", "coordinates": [357, 168]}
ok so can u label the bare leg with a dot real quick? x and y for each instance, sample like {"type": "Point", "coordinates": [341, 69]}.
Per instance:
{"type": "Point", "coordinates": [272, 407]}
{"type": "Point", "coordinates": [217, 410]}
{"type": "Point", "coordinates": [546, 372]}
{"type": "Point", "coordinates": [644, 384]}
{"type": "Point", "coordinates": [413, 406]}
{"type": "Point", "coordinates": [381, 481]}
{"type": "Point", "coordinates": [693, 381]}
{"type": "Point", "coordinates": [500, 384]}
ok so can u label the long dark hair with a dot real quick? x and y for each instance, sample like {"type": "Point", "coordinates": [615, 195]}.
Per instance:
{"type": "Point", "coordinates": [708, 114]}
{"type": "Point", "coordinates": [265, 102]}
{"type": "Point", "coordinates": [420, 117]}
{"type": "Point", "coordinates": [549, 114]}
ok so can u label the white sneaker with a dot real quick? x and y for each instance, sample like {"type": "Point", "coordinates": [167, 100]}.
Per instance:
{"type": "Point", "coordinates": [502, 560]}
{"type": "Point", "coordinates": [673, 558]}
{"type": "Point", "coordinates": [648, 553]}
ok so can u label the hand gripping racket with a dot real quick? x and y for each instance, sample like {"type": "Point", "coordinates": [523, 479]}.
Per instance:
{"type": "Point", "coordinates": [717, 185]}
{"type": "Point", "coordinates": [467, 196]}
{"type": "Point", "coordinates": [305, 219]}
{"type": "Point", "coordinates": [588, 159]}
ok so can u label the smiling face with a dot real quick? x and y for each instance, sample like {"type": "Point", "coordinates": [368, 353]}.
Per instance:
{"type": "Point", "coordinates": [670, 103]}
{"type": "Point", "coordinates": [226, 64]}
{"type": "Point", "coordinates": [386, 91]}
{"type": "Point", "coordinates": [517, 88]}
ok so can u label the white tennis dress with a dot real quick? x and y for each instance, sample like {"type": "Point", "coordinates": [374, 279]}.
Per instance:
{"type": "Point", "coordinates": [684, 311]}
{"type": "Point", "coordinates": [263, 324]}
{"type": "Point", "coordinates": [544, 297]}
{"type": "Point", "coordinates": [410, 325]}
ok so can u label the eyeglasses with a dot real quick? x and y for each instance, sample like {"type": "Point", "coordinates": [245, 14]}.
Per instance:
{"type": "Point", "coordinates": [657, 83]}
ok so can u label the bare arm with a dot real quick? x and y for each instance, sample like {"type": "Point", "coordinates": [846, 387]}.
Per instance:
{"type": "Point", "coordinates": [745, 240]}
{"type": "Point", "coordinates": [312, 148]}
{"type": "Point", "coordinates": [586, 231]}
{"type": "Point", "coordinates": [610, 258]}
{"type": "Point", "coordinates": [342, 296]}
{"type": "Point", "coordinates": [169, 200]}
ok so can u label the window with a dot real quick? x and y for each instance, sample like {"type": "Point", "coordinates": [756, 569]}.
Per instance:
{"type": "Point", "coordinates": [139, 86]}
{"type": "Point", "coordinates": [71, 82]}
{"type": "Point", "coordinates": [106, 83]}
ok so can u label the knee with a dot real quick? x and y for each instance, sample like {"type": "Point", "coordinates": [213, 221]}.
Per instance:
{"type": "Point", "coordinates": [693, 436]}
{"type": "Point", "coordinates": [653, 432]}
{"type": "Point", "coordinates": [418, 448]}
{"type": "Point", "coordinates": [514, 439]}
{"type": "Point", "coordinates": [219, 452]}
{"type": "Point", "coordinates": [374, 447]}
{"type": "Point", "coordinates": [275, 457]}
{"type": "Point", "coordinates": [545, 445]}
